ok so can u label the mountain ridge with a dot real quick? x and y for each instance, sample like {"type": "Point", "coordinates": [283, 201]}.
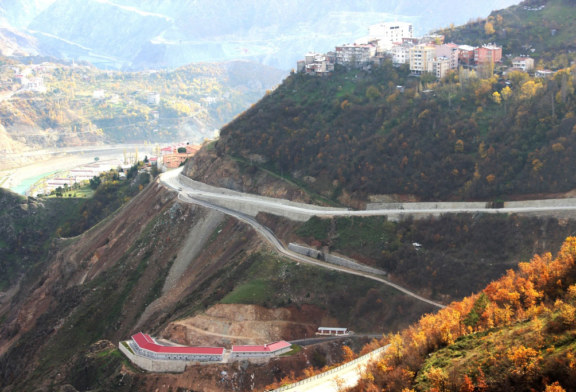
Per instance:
{"type": "Point", "coordinates": [184, 31]}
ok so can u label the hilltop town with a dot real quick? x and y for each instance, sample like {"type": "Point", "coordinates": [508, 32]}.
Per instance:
{"type": "Point", "coordinates": [423, 55]}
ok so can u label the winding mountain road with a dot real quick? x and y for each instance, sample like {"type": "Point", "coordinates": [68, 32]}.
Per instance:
{"type": "Point", "coordinates": [246, 206]}
{"type": "Point", "coordinates": [251, 204]}
{"type": "Point", "coordinates": [186, 194]}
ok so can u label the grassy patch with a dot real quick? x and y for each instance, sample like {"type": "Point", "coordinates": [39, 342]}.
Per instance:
{"type": "Point", "coordinates": [359, 303]}
{"type": "Point", "coordinates": [113, 352]}
{"type": "Point", "coordinates": [82, 192]}
{"type": "Point", "coordinates": [125, 344]}
{"type": "Point", "coordinates": [254, 292]}
{"type": "Point", "coordinates": [295, 349]}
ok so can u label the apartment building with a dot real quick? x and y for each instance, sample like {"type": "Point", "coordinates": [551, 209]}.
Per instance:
{"type": "Point", "coordinates": [487, 54]}
{"type": "Point", "coordinates": [389, 33]}
{"type": "Point", "coordinates": [422, 58]}
{"type": "Point", "coordinates": [354, 55]}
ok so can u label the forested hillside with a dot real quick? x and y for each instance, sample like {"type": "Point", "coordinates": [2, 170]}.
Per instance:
{"type": "Point", "coordinates": [515, 335]}
{"type": "Point", "coordinates": [476, 134]}
{"type": "Point", "coordinates": [542, 29]}
{"type": "Point", "coordinates": [29, 227]}
{"type": "Point", "coordinates": [465, 137]}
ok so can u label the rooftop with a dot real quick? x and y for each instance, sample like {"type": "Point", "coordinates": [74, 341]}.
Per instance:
{"type": "Point", "coordinates": [145, 342]}
{"type": "Point", "coordinates": [272, 347]}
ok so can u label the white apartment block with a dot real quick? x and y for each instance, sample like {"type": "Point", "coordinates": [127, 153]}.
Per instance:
{"type": "Point", "coordinates": [441, 66]}
{"type": "Point", "coordinates": [400, 53]}
{"type": "Point", "coordinates": [389, 33]}
{"type": "Point", "coordinates": [354, 55]}
{"type": "Point", "coordinates": [524, 63]}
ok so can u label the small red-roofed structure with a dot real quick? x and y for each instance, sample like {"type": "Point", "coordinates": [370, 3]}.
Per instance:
{"type": "Point", "coordinates": [265, 350]}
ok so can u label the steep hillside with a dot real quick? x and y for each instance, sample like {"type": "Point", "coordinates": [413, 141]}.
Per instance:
{"type": "Point", "coordinates": [16, 43]}
{"type": "Point", "coordinates": [159, 263]}
{"type": "Point", "coordinates": [354, 134]}
{"type": "Point", "coordinates": [543, 29]}
{"type": "Point", "coordinates": [26, 228]}
{"type": "Point", "coordinates": [444, 258]}
{"type": "Point", "coordinates": [518, 334]}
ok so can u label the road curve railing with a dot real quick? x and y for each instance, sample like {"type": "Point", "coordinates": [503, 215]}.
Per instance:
{"type": "Point", "coordinates": [363, 360]}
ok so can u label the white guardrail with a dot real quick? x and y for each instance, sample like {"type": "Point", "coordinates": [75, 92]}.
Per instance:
{"type": "Point", "coordinates": [366, 358]}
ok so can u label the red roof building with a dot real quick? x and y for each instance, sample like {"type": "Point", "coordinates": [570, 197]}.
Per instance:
{"type": "Point", "coordinates": [265, 350]}
{"type": "Point", "coordinates": [144, 345]}
{"type": "Point", "coordinates": [487, 54]}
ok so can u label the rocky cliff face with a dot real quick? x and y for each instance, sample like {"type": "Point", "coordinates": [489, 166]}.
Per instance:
{"type": "Point", "coordinates": [225, 172]}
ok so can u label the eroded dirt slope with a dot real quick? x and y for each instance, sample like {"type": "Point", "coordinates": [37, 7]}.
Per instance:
{"type": "Point", "coordinates": [247, 324]}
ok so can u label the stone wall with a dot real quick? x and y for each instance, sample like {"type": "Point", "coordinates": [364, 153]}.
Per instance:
{"type": "Point", "coordinates": [426, 205]}
{"type": "Point", "coordinates": [333, 259]}
{"type": "Point", "coordinates": [154, 365]}
{"type": "Point", "coordinates": [252, 207]}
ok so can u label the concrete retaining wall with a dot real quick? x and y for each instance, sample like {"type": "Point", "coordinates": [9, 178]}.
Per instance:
{"type": "Point", "coordinates": [333, 259]}
{"type": "Point", "coordinates": [471, 204]}
{"type": "Point", "coordinates": [360, 363]}
{"type": "Point", "coordinates": [249, 207]}
{"type": "Point", "coordinates": [541, 203]}
{"type": "Point", "coordinates": [426, 205]}
{"type": "Point", "coordinates": [154, 365]}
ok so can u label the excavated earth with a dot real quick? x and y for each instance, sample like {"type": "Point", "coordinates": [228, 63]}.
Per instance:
{"type": "Point", "coordinates": [224, 325]}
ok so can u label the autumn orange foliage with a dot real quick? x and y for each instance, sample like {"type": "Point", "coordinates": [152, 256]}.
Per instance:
{"type": "Point", "coordinates": [515, 297]}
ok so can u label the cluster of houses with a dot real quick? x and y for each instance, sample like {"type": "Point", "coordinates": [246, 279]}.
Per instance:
{"type": "Point", "coordinates": [144, 345]}
{"type": "Point", "coordinates": [175, 155]}
{"type": "Point", "coordinates": [395, 40]}
{"type": "Point", "coordinates": [29, 78]}
{"type": "Point", "coordinates": [78, 175]}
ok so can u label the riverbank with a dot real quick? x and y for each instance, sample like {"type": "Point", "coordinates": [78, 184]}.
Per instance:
{"type": "Point", "coordinates": [21, 179]}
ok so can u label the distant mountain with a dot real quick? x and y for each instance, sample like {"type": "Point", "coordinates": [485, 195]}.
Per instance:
{"type": "Point", "coordinates": [15, 43]}
{"type": "Point", "coordinates": [79, 105]}
{"type": "Point", "coordinates": [149, 34]}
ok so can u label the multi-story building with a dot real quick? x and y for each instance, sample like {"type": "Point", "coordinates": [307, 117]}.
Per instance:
{"type": "Point", "coordinates": [266, 350]}
{"type": "Point", "coordinates": [487, 54]}
{"type": "Point", "coordinates": [174, 156]}
{"type": "Point", "coordinates": [523, 63]}
{"type": "Point", "coordinates": [388, 33]}
{"type": "Point", "coordinates": [449, 51]}
{"type": "Point", "coordinates": [466, 55]}
{"type": "Point", "coordinates": [441, 66]}
{"type": "Point", "coordinates": [153, 98]}
{"type": "Point", "coordinates": [401, 53]}
{"type": "Point", "coordinates": [354, 55]}
{"type": "Point", "coordinates": [422, 58]}
{"type": "Point", "coordinates": [316, 64]}
{"type": "Point", "coordinates": [142, 344]}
